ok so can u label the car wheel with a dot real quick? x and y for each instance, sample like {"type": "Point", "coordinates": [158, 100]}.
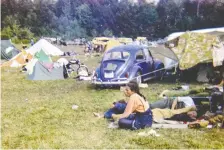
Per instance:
{"type": "Point", "coordinates": [139, 77]}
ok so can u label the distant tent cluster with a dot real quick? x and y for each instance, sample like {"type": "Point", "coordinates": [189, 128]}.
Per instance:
{"type": "Point", "coordinates": [37, 62]}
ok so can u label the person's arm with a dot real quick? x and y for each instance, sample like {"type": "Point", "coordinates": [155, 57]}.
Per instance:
{"type": "Point", "coordinates": [182, 110]}
{"type": "Point", "coordinates": [174, 103]}
{"type": "Point", "coordinates": [127, 112]}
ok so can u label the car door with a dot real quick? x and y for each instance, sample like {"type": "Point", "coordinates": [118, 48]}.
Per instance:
{"type": "Point", "coordinates": [149, 59]}
{"type": "Point", "coordinates": [142, 61]}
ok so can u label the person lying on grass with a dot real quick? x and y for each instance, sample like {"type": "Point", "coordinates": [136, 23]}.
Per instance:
{"type": "Point", "coordinates": [173, 103]}
{"type": "Point", "coordinates": [159, 115]}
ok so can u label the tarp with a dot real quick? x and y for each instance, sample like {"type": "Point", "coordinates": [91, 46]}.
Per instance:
{"type": "Point", "coordinates": [42, 56]}
{"type": "Point", "coordinates": [213, 31]}
{"type": "Point", "coordinates": [193, 48]}
{"type": "Point", "coordinates": [100, 41]}
{"type": "Point", "coordinates": [164, 54]}
{"type": "Point", "coordinates": [47, 47]}
{"type": "Point", "coordinates": [218, 55]}
{"type": "Point", "coordinates": [125, 40]}
{"type": "Point", "coordinates": [112, 43]}
{"type": "Point", "coordinates": [18, 61]}
{"type": "Point", "coordinates": [141, 38]}
{"type": "Point", "coordinates": [41, 72]}
{"type": "Point", "coordinates": [8, 50]}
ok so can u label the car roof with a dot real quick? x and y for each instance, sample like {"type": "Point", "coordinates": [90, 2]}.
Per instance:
{"type": "Point", "coordinates": [130, 48]}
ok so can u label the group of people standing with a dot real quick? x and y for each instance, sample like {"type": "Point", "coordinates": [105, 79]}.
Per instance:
{"type": "Point", "coordinates": [137, 113]}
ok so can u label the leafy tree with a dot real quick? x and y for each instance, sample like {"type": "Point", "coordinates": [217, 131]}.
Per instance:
{"type": "Point", "coordinates": [86, 18]}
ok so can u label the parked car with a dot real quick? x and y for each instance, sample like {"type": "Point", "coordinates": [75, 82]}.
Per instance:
{"type": "Point", "coordinates": [127, 62]}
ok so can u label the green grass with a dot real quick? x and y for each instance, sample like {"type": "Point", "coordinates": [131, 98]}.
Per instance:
{"type": "Point", "coordinates": [39, 114]}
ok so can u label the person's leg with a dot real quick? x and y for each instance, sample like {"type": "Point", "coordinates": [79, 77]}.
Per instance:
{"type": "Point", "coordinates": [168, 113]}
{"type": "Point", "coordinates": [125, 123]}
{"type": "Point", "coordinates": [108, 114]}
{"type": "Point", "coordinates": [117, 109]}
{"type": "Point", "coordinates": [180, 111]}
{"type": "Point", "coordinates": [120, 107]}
{"type": "Point", "coordinates": [164, 103]}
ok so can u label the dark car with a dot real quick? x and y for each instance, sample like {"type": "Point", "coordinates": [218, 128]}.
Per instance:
{"type": "Point", "coordinates": [127, 62]}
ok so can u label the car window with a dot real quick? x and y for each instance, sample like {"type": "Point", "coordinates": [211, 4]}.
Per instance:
{"type": "Point", "coordinates": [111, 66]}
{"type": "Point", "coordinates": [140, 55]}
{"type": "Point", "coordinates": [126, 55]}
{"type": "Point", "coordinates": [116, 55]}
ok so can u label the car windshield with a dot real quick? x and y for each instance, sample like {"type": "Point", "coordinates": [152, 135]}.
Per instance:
{"type": "Point", "coordinates": [124, 55]}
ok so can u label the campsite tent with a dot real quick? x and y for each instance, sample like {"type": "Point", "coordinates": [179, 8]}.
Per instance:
{"type": "Point", "coordinates": [192, 48]}
{"type": "Point", "coordinates": [18, 61]}
{"type": "Point", "coordinates": [39, 56]}
{"type": "Point", "coordinates": [43, 71]}
{"type": "Point", "coordinates": [42, 68]}
{"type": "Point", "coordinates": [8, 50]}
{"type": "Point", "coordinates": [47, 47]}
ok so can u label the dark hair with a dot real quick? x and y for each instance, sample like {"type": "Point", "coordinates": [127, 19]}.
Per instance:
{"type": "Point", "coordinates": [133, 85]}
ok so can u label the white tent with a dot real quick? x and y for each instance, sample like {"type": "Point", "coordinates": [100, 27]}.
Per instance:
{"type": "Point", "coordinates": [214, 31]}
{"type": "Point", "coordinates": [47, 47]}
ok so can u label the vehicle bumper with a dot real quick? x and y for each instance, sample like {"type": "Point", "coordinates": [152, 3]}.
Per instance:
{"type": "Point", "coordinates": [97, 82]}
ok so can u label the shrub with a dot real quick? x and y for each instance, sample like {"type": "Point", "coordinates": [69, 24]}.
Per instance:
{"type": "Point", "coordinates": [15, 40]}
{"type": "Point", "coordinates": [4, 37]}
{"type": "Point", "coordinates": [25, 41]}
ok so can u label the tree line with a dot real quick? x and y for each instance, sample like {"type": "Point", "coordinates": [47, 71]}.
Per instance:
{"type": "Point", "coordinates": [24, 19]}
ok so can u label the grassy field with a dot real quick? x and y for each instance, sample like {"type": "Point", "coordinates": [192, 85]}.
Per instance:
{"type": "Point", "coordinates": [39, 114]}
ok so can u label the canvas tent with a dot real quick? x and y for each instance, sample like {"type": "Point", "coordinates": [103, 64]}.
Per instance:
{"type": "Point", "coordinates": [41, 71]}
{"type": "Point", "coordinates": [213, 31]}
{"type": "Point", "coordinates": [192, 48]}
{"type": "Point", "coordinates": [8, 50]}
{"type": "Point", "coordinates": [18, 61]}
{"type": "Point", "coordinates": [47, 47]}
{"type": "Point", "coordinates": [39, 56]}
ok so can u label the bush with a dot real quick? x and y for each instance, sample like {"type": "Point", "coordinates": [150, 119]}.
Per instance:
{"type": "Point", "coordinates": [25, 41]}
{"type": "Point", "coordinates": [108, 33]}
{"type": "Point", "coordinates": [15, 40]}
{"type": "Point", "coordinates": [4, 37]}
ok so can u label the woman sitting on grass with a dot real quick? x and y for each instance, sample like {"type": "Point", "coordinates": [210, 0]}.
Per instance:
{"type": "Point", "coordinates": [136, 104]}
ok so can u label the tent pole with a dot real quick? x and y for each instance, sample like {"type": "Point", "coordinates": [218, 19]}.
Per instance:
{"type": "Point", "coordinates": [222, 73]}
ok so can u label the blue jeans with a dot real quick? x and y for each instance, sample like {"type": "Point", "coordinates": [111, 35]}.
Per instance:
{"type": "Point", "coordinates": [138, 121]}
{"type": "Point", "coordinates": [117, 109]}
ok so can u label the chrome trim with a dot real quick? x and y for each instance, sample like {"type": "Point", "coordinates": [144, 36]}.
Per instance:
{"type": "Point", "coordinates": [109, 82]}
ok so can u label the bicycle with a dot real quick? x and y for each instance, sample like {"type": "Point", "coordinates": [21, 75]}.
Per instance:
{"type": "Point", "coordinates": [75, 66]}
